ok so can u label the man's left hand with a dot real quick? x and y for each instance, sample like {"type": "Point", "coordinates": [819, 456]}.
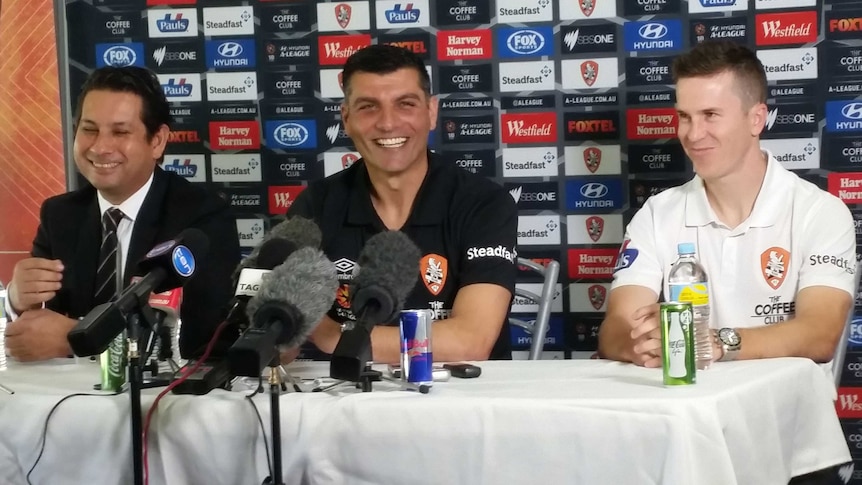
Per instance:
{"type": "Point", "coordinates": [39, 335]}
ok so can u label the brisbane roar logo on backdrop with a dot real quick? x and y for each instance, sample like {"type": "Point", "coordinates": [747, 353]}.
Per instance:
{"type": "Point", "coordinates": [774, 263]}
{"type": "Point", "coordinates": [587, 6]}
{"type": "Point", "coordinates": [434, 270]}
{"type": "Point", "coordinates": [597, 294]}
{"type": "Point", "coordinates": [589, 72]}
{"type": "Point", "coordinates": [592, 158]}
{"type": "Point", "coordinates": [342, 14]}
{"type": "Point", "coordinates": [595, 227]}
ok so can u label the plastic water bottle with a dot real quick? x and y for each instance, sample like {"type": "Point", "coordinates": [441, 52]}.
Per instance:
{"type": "Point", "coordinates": [2, 327]}
{"type": "Point", "coordinates": [688, 283]}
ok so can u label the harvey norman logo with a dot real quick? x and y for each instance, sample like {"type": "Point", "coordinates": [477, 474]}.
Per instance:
{"type": "Point", "coordinates": [538, 230]}
{"type": "Point", "coordinates": [530, 162]}
{"type": "Point", "coordinates": [703, 6]}
{"type": "Point", "coordinates": [228, 21]}
{"type": "Point", "coordinates": [595, 73]}
{"type": "Point", "coordinates": [190, 166]}
{"type": "Point", "coordinates": [250, 232]}
{"type": "Point", "coordinates": [529, 127]}
{"type": "Point", "coordinates": [794, 153]}
{"type": "Point", "coordinates": [592, 160]}
{"type": "Point", "coordinates": [178, 22]}
{"type": "Point", "coordinates": [784, 64]}
{"type": "Point", "coordinates": [340, 16]}
{"type": "Point", "coordinates": [846, 186]}
{"type": "Point", "coordinates": [592, 264]}
{"type": "Point", "coordinates": [786, 28]}
{"type": "Point", "coordinates": [401, 14]}
{"type": "Point", "coordinates": [236, 168]}
{"type": "Point", "coordinates": [180, 88]}
{"type": "Point", "coordinates": [234, 135]}
{"type": "Point", "coordinates": [594, 229]}
{"type": "Point", "coordinates": [652, 123]}
{"type": "Point", "coordinates": [526, 76]}
{"type": "Point", "coordinates": [232, 86]}
{"type": "Point", "coordinates": [457, 45]}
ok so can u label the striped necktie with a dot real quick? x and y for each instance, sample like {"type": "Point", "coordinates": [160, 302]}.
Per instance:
{"type": "Point", "coordinates": [106, 276]}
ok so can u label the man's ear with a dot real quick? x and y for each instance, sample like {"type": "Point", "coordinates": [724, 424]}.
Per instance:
{"type": "Point", "coordinates": [159, 141]}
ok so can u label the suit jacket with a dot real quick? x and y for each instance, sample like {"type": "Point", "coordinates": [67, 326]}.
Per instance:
{"type": "Point", "coordinates": [70, 230]}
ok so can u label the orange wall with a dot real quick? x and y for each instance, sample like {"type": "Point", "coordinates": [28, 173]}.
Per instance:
{"type": "Point", "coordinates": [31, 147]}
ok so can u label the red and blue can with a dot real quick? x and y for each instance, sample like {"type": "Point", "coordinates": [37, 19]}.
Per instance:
{"type": "Point", "coordinates": [416, 359]}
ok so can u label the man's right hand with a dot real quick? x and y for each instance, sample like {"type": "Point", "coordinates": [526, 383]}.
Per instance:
{"type": "Point", "coordinates": [34, 281]}
{"type": "Point", "coordinates": [646, 334]}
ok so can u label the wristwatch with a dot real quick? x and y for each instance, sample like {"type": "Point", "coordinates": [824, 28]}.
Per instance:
{"type": "Point", "coordinates": [731, 341]}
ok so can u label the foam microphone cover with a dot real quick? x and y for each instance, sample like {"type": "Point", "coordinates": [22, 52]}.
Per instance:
{"type": "Point", "coordinates": [298, 230]}
{"type": "Point", "coordinates": [388, 271]}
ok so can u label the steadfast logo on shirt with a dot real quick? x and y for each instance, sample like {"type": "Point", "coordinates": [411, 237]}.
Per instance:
{"type": "Point", "coordinates": [334, 162]}
{"type": "Point", "coordinates": [652, 35]}
{"type": "Point", "coordinates": [843, 153]}
{"type": "Point", "coordinates": [521, 304]}
{"type": "Point", "coordinates": [526, 76]}
{"type": "Point", "coordinates": [594, 193]}
{"type": "Point", "coordinates": [592, 264]}
{"type": "Point", "coordinates": [595, 229]}
{"type": "Point", "coordinates": [120, 24]}
{"type": "Point", "coordinates": [831, 259]}
{"type": "Point", "coordinates": [770, 4]}
{"type": "Point", "coordinates": [534, 196]}
{"type": "Point", "coordinates": [792, 64]}
{"type": "Point", "coordinates": [519, 11]}
{"type": "Point", "coordinates": [527, 102]}
{"type": "Point", "coordinates": [434, 270]}
{"type": "Point", "coordinates": [774, 264]}
{"type": "Point", "coordinates": [291, 134]}
{"type": "Point", "coordinates": [588, 9]}
{"type": "Point", "coordinates": [279, 168]}
{"type": "Point", "coordinates": [482, 162]}
{"type": "Point", "coordinates": [536, 230]}
{"type": "Point", "coordinates": [458, 45]}
{"type": "Point", "coordinates": [843, 62]}
{"type": "Point", "coordinates": [234, 135]}
{"type": "Point", "coordinates": [650, 7]}
{"type": "Point", "coordinates": [181, 87]}
{"type": "Point", "coordinates": [651, 123]}
{"type": "Point", "coordinates": [588, 297]}
{"type": "Point", "coordinates": [343, 16]}
{"type": "Point", "coordinates": [786, 28]}
{"type": "Point", "coordinates": [592, 160]}
{"type": "Point", "coordinates": [592, 126]}
{"type": "Point", "coordinates": [513, 42]}
{"type": "Point", "coordinates": [230, 54]}
{"type": "Point", "coordinates": [663, 158]}
{"type": "Point", "coordinates": [641, 190]}
{"type": "Point", "coordinates": [498, 251]}
{"type": "Point", "coordinates": [228, 21]}
{"type": "Point", "coordinates": [120, 55]}
{"type": "Point", "coordinates": [648, 71]}
{"type": "Point", "coordinates": [793, 92]}
{"type": "Point", "coordinates": [236, 168]}
{"type": "Point", "coordinates": [704, 6]}
{"type": "Point", "coordinates": [177, 22]}
{"type": "Point", "coordinates": [843, 116]}
{"type": "Point", "coordinates": [174, 55]}
{"type": "Point", "coordinates": [335, 49]}
{"type": "Point", "coordinates": [529, 127]}
{"type": "Point", "coordinates": [401, 14]}
{"type": "Point", "coordinates": [846, 186]}
{"type": "Point", "coordinates": [458, 12]}
{"type": "Point", "coordinates": [281, 197]}
{"type": "Point", "coordinates": [417, 43]}
{"type": "Point", "coordinates": [791, 118]}
{"type": "Point", "coordinates": [588, 38]}
{"type": "Point", "coordinates": [593, 73]}
{"type": "Point", "coordinates": [250, 232]}
{"type": "Point", "coordinates": [289, 51]}
{"type": "Point", "coordinates": [468, 129]}
{"type": "Point", "coordinates": [849, 402]}
{"type": "Point", "coordinates": [186, 165]}
{"type": "Point", "coordinates": [243, 199]}
{"type": "Point", "coordinates": [724, 28]}
{"type": "Point", "coordinates": [843, 24]}
{"type": "Point", "coordinates": [530, 162]}
{"type": "Point", "coordinates": [232, 86]}
{"type": "Point", "coordinates": [334, 135]}
{"type": "Point", "coordinates": [286, 18]}
{"type": "Point", "coordinates": [473, 78]}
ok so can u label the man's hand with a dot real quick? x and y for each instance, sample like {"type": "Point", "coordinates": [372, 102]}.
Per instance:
{"type": "Point", "coordinates": [647, 336]}
{"type": "Point", "coordinates": [39, 335]}
{"type": "Point", "coordinates": [34, 281]}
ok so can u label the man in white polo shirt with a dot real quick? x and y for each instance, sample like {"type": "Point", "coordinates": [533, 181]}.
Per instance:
{"type": "Point", "coordinates": [779, 252]}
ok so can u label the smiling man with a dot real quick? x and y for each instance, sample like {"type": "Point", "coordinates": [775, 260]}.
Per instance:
{"type": "Point", "coordinates": [388, 112]}
{"type": "Point", "coordinates": [121, 128]}
{"type": "Point", "coordinates": [779, 252]}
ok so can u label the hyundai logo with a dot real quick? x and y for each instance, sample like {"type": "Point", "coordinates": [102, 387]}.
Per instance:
{"type": "Point", "coordinates": [119, 56]}
{"type": "Point", "coordinates": [594, 190]}
{"type": "Point", "coordinates": [852, 111]}
{"type": "Point", "coordinates": [290, 134]}
{"type": "Point", "coordinates": [652, 31]}
{"type": "Point", "coordinates": [229, 49]}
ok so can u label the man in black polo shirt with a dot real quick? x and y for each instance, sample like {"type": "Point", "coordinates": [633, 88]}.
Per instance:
{"type": "Point", "coordinates": [464, 224]}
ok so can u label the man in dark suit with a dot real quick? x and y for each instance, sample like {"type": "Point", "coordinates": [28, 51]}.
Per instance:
{"type": "Point", "coordinates": [121, 129]}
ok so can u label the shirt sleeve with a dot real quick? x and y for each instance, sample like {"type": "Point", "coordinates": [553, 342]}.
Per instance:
{"type": "Point", "coordinates": [489, 236]}
{"type": "Point", "coordinates": [638, 261]}
{"type": "Point", "coordinates": [829, 247]}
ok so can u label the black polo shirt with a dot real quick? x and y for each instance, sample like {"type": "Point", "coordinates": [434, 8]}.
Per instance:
{"type": "Point", "coordinates": [464, 224]}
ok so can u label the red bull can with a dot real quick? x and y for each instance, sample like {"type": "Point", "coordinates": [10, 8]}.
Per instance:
{"type": "Point", "coordinates": [416, 359]}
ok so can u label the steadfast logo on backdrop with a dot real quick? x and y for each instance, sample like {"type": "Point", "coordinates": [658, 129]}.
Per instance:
{"type": "Point", "coordinates": [846, 186]}
{"type": "Point", "coordinates": [519, 11]}
{"type": "Point", "coordinates": [232, 86]}
{"type": "Point", "coordinates": [725, 28]}
{"type": "Point", "coordinates": [650, 7]}
{"type": "Point", "coordinates": [250, 232]}
{"type": "Point", "coordinates": [843, 153]}
{"type": "Point", "coordinates": [335, 49]}
{"type": "Point", "coordinates": [588, 9]}
{"type": "Point", "coordinates": [473, 78]}
{"type": "Point", "coordinates": [594, 193]}
{"type": "Point", "coordinates": [651, 123]}
{"type": "Point", "coordinates": [648, 71]}
{"type": "Point", "coordinates": [417, 43]}
{"type": "Point", "coordinates": [843, 116]}
{"type": "Point", "coordinates": [529, 127]}
{"type": "Point", "coordinates": [524, 305]}
{"type": "Point", "coordinates": [236, 168]}
{"type": "Point", "coordinates": [592, 126]}
{"type": "Point", "coordinates": [177, 22]}
{"type": "Point", "coordinates": [789, 64]}
{"type": "Point", "coordinates": [641, 190]}
{"type": "Point", "coordinates": [400, 14]}
{"type": "Point", "coordinates": [526, 76]}
{"type": "Point", "coordinates": [289, 51]}
{"type": "Point", "coordinates": [334, 135]}
{"type": "Point", "coordinates": [121, 24]}
{"type": "Point", "coordinates": [481, 162]}
{"type": "Point", "coordinates": [595, 73]}
{"type": "Point", "coordinates": [665, 158]}
{"type": "Point", "coordinates": [228, 21]}
{"type": "Point", "coordinates": [293, 84]}
{"type": "Point", "coordinates": [706, 6]}
{"type": "Point", "coordinates": [530, 162]}
{"type": "Point", "coordinates": [595, 229]}
{"type": "Point", "coordinates": [770, 4]}
{"type": "Point", "coordinates": [286, 18]}
{"type": "Point", "coordinates": [588, 297]}
{"type": "Point", "coordinates": [535, 42]}
{"type": "Point", "coordinates": [334, 162]}
{"type": "Point", "coordinates": [468, 129]}
{"type": "Point", "coordinates": [657, 35]}
{"type": "Point", "coordinates": [291, 134]}
{"type": "Point", "coordinates": [459, 12]}
{"type": "Point", "coordinates": [794, 153]}
{"type": "Point", "coordinates": [588, 38]}
{"type": "Point", "coordinates": [534, 196]}
{"type": "Point", "coordinates": [120, 55]}
{"type": "Point", "coordinates": [180, 88]}
{"type": "Point", "coordinates": [592, 160]}
{"type": "Point", "coordinates": [457, 45]}
{"type": "Point", "coordinates": [843, 24]}
{"type": "Point", "coordinates": [174, 56]}
{"type": "Point", "coordinates": [786, 28]}
{"type": "Point", "coordinates": [190, 166]}
{"type": "Point", "coordinates": [281, 197]}
{"type": "Point", "coordinates": [592, 264]}
{"type": "Point", "coordinates": [234, 135]}
{"type": "Point", "coordinates": [538, 230]}
{"type": "Point", "coordinates": [791, 118]}
{"type": "Point", "coordinates": [230, 54]}
{"type": "Point", "coordinates": [343, 16]}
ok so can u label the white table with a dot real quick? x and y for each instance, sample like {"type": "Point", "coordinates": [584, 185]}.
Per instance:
{"type": "Point", "coordinates": [590, 422]}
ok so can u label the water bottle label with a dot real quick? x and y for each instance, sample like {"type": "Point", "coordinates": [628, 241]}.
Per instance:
{"type": "Point", "coordinates": [695, 293]}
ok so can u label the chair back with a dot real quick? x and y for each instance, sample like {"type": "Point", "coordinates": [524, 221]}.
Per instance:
{"type": "Point", "coordinates": [539, 327]}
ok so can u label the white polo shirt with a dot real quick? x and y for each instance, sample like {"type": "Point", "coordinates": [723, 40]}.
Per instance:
{"type": "Point", "coordinates": [796, 236]}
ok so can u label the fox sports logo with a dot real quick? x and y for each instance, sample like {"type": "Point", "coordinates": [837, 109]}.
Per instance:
{"type": "Point", "coordinates": [525, 42]}
{"type": "Point", "coordinates": [120, 56]}
{"type": "Point", "coordinates": [290, 134]}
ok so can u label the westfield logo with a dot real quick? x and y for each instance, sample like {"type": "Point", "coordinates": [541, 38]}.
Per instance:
{"type": "Point", "coordinates": [518, 128]}
{"type": "Point", "coordinates": [529, 127]}
{"type": "Point", "coordinates": [335, 49]}
{"type": "Point", "coordinates": [786, 28]}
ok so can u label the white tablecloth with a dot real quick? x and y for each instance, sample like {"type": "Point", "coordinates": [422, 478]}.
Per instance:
{"type": "Point", "coordinates": [590, 422]}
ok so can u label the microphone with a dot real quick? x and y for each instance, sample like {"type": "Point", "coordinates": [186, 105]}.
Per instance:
{"type": "Point", "coordinates": [166, 307]}
{"type": "Point", "coordinates": [272, 253]}
{"type": "Point", "coordinates": [168, 265]}
{"type": "Point", "coordinates": [292, 299]}
{"type": "Point", "coordinates": [388, 271]}
{"type": "Point", "coordinates": [298, 230]}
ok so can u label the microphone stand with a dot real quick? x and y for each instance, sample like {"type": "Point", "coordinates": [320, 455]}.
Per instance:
{"type": "Point", "coordinates": [141, 312]}
{"type": "Point", "coordinates": [276, 385]}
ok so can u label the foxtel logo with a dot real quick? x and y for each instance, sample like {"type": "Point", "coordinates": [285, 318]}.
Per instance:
{"type": "Point", "coordinates": [529, 128]}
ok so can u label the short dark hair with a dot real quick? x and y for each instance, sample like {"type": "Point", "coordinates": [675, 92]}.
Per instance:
{"type": "Point", "coordinates": [155, 110]}
{"type": "Point", "coordinates": [716, 56]}
{"type": "Point", "coordinates": [384, 59]}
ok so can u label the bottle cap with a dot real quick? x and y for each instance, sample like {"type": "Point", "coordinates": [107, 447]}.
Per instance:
{"type": "Point", "coordinates": [685, 248]}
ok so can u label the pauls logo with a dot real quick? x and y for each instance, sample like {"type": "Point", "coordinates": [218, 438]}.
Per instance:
{"type": "Point", "coordinates": [774, 263]}
{"type": "Point", "coordinates": [595, 227]}
{"type": "Point", "coordinates": [652, 123]}
{"type": "Point", "coordinates": [434, 270]}
{"type": "Point", "coordinates": [187, 166]}
{"type": "Point", "coordinates": [592, 158]}
{"type": "Point", "coordinates": [701, 6]}
{"type": "Point", "coordinates": [786, 28]}
{"type": "Point", "coordinates": [529, 127]}
{"type": "Point", "coordinates": [597, 295]}
{"type": "Point", "coordinates": [843, 25]}
{"type": "Point", "coordinates": [846, 186]}
{"type": "Point", "coordinates": [588, 38]}
{"type": "Point", "coordinates": [234, 135]}
{"type": "Point", "coordinates": [626, 256]}
{"type": "Point", "coordinates": [176, 23]}
{"type": "Point", "coordinates": [592, 264]}
{"type": "Point", "coordinates": [399, 15]}
{"type": "Point", "coordinates": [281, 197]}
{"type": "Point", "coordinates": [181, 87]}
{"type": "Point", "coordinates": [525, 42]}
{"type": "Point", "coordinates": [456, 45]}
{"type": "Point", "coordinates": [335, 49]}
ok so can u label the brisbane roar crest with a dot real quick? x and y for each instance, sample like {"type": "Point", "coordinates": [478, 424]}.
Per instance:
{"type": "Point", "coordinates": [592, 158]}
{"type": "Point", "coordinates": [342, 14]}
{"type": "Point", "coordinates": [595, 227]}
{"type": "Point", "coordinates": [434, 268]}
{"type": "Point", "coordinates": [587, 6]}
{"type": "Point", "coordinates": [348, 159]}
{"type": "Point", "coordinates": [597, 294]}
{"type": "Point", "coordinates": [589, 72]}
{"type": "Point", "coordinates": [774, 263]}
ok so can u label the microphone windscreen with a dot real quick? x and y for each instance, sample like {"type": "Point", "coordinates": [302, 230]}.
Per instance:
{"type": "Point", "coordinates": [273, 252]}
{"type": "Point", "coordinates": [297, 230]}
{"type": "Point", "coordinates": [390, 261]}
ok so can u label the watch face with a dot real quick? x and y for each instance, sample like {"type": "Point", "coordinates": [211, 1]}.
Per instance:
{"type": "Point", "coordinates": [728, 336]}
